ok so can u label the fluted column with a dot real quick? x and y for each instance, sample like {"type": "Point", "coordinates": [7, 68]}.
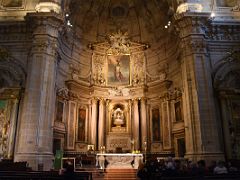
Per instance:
{"type": "Point", "coordinates": [94, 122]}
{"type": "Point", "coordinates": [101, 124]}
{"type": "Point", "coordinates": [143, 122]}
{"type": "Point", "coordinates": [136, 124]}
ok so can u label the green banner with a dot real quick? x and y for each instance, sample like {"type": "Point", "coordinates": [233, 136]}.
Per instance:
{"type": "Point", "coordinates": [2, 104]}
{"type": "Point", "coordinates": [58, 159]}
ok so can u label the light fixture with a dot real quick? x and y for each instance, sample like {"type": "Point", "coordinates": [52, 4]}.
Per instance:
{"type": "Point", "coordinates": [212, 14]}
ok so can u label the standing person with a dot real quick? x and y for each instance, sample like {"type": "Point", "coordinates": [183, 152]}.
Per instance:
{"type": "Point", "coordinates": [68, 172]}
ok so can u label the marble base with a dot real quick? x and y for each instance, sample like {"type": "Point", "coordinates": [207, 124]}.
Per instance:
{"type": "Point", "coordinates": [119, 160]}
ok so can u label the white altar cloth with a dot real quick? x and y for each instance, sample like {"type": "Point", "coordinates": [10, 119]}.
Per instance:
{"type": "Point", "coordinates": [119, 160]}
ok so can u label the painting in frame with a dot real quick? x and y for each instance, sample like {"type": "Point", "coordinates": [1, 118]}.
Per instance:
{"type": "Point", "coordinates": [81, 124]}
{"type": "Point", "coordinates": [156, 125]}
{"type": "Point", "coordinates": [178, 111]}
{"type": "Point", "coordinates": [118, 70]}
{"type": "Point", "coordinates": [59, 111]}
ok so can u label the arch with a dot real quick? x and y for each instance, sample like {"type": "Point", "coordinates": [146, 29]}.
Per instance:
{"type": "Point", "coordinates": [12, 73]}
{"type": "Point", "coordinates": [225, 73]}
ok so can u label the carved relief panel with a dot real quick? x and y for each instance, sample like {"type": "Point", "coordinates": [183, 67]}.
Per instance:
{"type": "Point", "coordinates": [99, 69]}
{"type": "Point", "coordinates": [138, 68]}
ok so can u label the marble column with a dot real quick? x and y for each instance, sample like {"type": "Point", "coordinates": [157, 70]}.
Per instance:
{"type": "Point", "coordinates": [136, 124]}
{"type": "Point", "coordinates": [35, 132]}
{"type": "Point", "coordinates": [143, 123]}
{"type": "Point", "coordinates": [94, 123]}
{"type": "Point", "coordinates": [101, 124]}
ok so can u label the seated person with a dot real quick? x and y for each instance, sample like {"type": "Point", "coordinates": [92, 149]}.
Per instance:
{"type": "Point", "coordinates": [220, 168]}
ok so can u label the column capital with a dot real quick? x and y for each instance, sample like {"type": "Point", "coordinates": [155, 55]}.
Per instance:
{"type": "Point", "coordinates": [94, 100]}
{"type": "Point", "coordinates": [143, 99]}
{"type": "Point", "coordinates": [134, 100]}
{"type": "Point", "coordinates": [102, 101]}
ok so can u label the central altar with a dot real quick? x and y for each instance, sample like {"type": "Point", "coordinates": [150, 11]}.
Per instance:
{"type": "Point", "coordinates": [119, 160]}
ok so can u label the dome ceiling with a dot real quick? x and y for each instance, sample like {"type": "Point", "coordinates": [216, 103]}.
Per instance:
{"type": "Point", "coordinates": [143, 20]}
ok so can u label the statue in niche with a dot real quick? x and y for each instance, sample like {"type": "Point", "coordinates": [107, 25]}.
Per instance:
{"type": "Point", "coordinates": [118, 117]}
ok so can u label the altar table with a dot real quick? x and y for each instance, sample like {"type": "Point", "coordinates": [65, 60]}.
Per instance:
{"type": "Point", "coordinates": [119, 160]}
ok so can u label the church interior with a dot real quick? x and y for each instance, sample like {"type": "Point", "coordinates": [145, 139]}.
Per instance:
{"type": "Point", "coordinates": [154, 77]}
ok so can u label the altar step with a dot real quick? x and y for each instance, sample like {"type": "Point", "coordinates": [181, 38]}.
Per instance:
{"type": "Point", "coordinates": [115, 174]}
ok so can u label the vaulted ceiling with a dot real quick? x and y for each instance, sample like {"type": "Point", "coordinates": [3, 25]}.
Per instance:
{"type": "Point", "coordinates": [143, 20]}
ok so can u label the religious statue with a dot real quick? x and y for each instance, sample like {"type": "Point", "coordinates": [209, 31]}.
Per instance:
{"type": "Point", "coordinates": [118, 117]}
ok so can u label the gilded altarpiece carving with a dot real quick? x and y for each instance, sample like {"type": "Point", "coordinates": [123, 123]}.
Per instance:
{"type": "Point", "coordinates": [8, 121]}
{"type": "Point", "coordinates": [99, 69]}
{"type": "Point", "coordinates": [138, 68]}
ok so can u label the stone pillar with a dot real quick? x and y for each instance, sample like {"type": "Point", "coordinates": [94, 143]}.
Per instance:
{"type": "Point", "coordinates": [101, 124]}
{"type": "Point", "coordinates": [94, 123]}
{"type": "Point", "coordinates": [136, 124]}
{"type": "Point", "coordinates": [143, 123]}
{"type": "Point", "coordinates": [202, 138]}
{"type": "Point", "coordinates": [35, 134]}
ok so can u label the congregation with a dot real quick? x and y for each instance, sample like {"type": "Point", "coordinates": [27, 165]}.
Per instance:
{"type": "Point", "coordinates": [183, 168]}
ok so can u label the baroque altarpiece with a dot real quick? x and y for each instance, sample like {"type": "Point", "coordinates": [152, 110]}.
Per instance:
{"type": "Point", "coordinates": [159, 77]}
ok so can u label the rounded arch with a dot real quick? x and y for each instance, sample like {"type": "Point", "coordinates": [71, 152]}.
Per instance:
{"type": "Point", "coordinates": [227, 75]}
{"type": "Point", "coordinates": [12, 73]}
